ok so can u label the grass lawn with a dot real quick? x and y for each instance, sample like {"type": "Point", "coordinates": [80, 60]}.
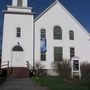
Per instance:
{"type": "Point", "coordinates": [57, 83]}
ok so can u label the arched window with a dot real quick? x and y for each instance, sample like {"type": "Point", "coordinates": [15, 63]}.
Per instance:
{"type": "Point", "coordinates": [17, 48]}
{"type": "Point", "coordinates": [57, 32]}
{"type": "Point", "coordinates": [71, 35]}
{"type": "Point", "coordinates": [43, 33]}
{"type": "Point", "coordinates": [18, 34]}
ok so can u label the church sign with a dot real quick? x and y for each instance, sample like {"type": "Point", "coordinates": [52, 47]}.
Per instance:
{"type": "Point", "coordinates": [75, 67]}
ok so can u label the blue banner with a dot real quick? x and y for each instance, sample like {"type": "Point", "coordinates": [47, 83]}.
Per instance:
{"type": "Point", "coordinates": [43, 45]}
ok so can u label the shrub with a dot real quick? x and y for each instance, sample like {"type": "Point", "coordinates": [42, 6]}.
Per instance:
{"type": "Point", "coordinates": [63, 68]}
{"type": "Point", "coordinates": [40, 69]}
{"type": "Point", "coordinates": [85, 70]}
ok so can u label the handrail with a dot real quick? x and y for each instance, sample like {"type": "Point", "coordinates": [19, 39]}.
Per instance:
{"type": "Point", "coordinates": [29, 64]}
{"type": "Point", "coordinates": [4, 63]}
{"type": "Point", "coordinates": [32, 69]}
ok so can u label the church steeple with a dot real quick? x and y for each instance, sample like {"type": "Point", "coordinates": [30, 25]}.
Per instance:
{"type": "Point", "coordinates": [20, 3]}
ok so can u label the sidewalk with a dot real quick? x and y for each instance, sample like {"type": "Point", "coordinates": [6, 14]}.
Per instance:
{"type": "Point", "coordinates": [21, 84]}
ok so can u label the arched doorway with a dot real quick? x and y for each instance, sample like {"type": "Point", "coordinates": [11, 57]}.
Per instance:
{"type": "Point", "coordinates": [17, 57]}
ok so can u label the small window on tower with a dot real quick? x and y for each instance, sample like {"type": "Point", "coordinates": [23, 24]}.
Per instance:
{"type": "Point", "coordinates": [19, 2]}
{"type": "Point", "coordinates": [18, 32]}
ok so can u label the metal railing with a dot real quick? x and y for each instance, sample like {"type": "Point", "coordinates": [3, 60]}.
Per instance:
{"type": "Point", "coordinates": [4, 65]}
{"type": "Point", "coordinates": [32, 70]}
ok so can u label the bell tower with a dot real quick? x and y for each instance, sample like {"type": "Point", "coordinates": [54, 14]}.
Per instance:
{"type": "Point", "coordinates": [20, 3]}
{"type": "Point", "coordinates": [18, 36]}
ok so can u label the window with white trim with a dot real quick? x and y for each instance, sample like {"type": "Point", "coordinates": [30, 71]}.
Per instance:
{"type": "Point", "coordinates": [71, 35]}
{"type": "Point", "coordinates": [58, 53]}
{"type": "Point", "coordinates": [57, 33]}
{"type": "Point", "coordinates": [18, 34]}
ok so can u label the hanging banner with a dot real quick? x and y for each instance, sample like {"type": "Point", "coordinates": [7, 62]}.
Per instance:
{"type": "Point", "coordinates": [43, 45]}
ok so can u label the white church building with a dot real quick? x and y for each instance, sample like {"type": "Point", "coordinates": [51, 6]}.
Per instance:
{"type": "Point", "coordinates": [52, 36]}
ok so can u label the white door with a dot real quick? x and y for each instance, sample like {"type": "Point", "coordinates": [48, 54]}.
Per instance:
{"type": "Point", "coordinates": [17, 59]}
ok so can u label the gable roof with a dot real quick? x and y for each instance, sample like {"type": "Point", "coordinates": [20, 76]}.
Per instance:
{"type": "Point", "coordinates": [45, 10]}
{"type": "Point", "coordinates": [57, 1]}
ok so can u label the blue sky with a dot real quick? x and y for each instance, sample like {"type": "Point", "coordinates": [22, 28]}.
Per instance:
{"type": "Point", "coordinates": [80, 9]}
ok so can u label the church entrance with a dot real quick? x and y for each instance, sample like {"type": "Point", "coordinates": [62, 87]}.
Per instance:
{"type": "Point", "coordinates": [18, 63]}
{"type": "Point", "coordinates": [17, 57]}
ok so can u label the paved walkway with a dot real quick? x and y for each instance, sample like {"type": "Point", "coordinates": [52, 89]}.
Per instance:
{"type": "Point", "coordinates": [20, 84]}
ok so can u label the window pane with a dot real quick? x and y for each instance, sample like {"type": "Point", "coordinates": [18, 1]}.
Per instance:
{"type": "Point", "coordinates": [18, 32]}
{"type": "Point", "coordinates": [43, 33]}
{"type": "Point", "coordinates": [43, 56]}
{"type": "Point", "coordinates": [58, 53]}
{"type": "Point", "coordinates": [72, 52]}
{"type": "Point", "coordinates": [57, 32]}
{"type": "Point", "coordinates": [71, 35]}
